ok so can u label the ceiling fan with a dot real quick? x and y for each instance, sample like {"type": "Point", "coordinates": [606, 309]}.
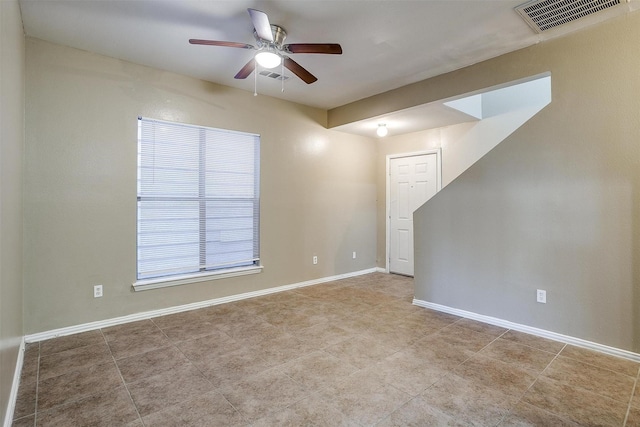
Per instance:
{"type": "Point", "coordinates": [271, 50]}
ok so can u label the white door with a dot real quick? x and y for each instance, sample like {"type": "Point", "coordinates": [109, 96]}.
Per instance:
{"type": "Point", "coordinates": [412, 181]}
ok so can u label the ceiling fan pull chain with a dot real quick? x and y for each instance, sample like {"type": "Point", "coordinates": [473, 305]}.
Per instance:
{"type": "Point", "coordinates": [282, 75]}
{"type": "Point", "coordinates": [255, 79]}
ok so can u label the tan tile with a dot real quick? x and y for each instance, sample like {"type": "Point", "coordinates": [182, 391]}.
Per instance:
{"type": "Point", "coordinates": [592, 378]}
{"type": "Point", "coordinates": [28, 421]}
{"type": "Point", "coordinates": [369, 407]}
{"type": "Point", "coordinates": [468, 401]}
{"type": "Point", "coordinates": [29, 373]}
{"type": "Point", "coordinates": [228, 321]}
{"type": "Point", "coordinates": [394, 336]}
{"type": "Point", "coordinates": [56, 345]}
{"type": "Point", "coordinates": [439, 352]}
{"type": "Point", "coordinates": [229, 309]}
{"type": "Point", "coordinates": [262, 331]}
{"type": "Point", "coordinates": [418, 413]}
{"type": "Point", "coordinates": [358, 325]}
{"type": "Point", "coordinates": [633, 418]}
{"type": "Point", "coordinates": [126, 330]}
{"type": "Point", "coordinates": [133, 345]}
{"type": "Point", "coordinates": [55, 364]}
{"type": "Point", "coordinates": [518, 355]}
{"type": "Point", "coordinates": [576, 405]}
{"type": "Point", "coordinates": [106, 409]}
{"type": "Point", "coordinates": [534, 341]}
{"type": "Point", "coordinates": [316, 370]}
{"type": "Point", "coordinates": [364, 398]}
{"type": "Point", "coordinates": [260, 395]}
{"type": "Point", "coordinates": [482, 327]}
{"type": "Point", "coordinates": [495, 374]}
{"type": "Point", "coordinates": [280, 349]}
{"type": "Point", "coordinates": [286, 297]}
{"type": "Point", "coordinates": [77, 384]}
{"type": "Point", "coordinates": [360, 351]}
{"type": "Point", "coordinates": [135, 368]}
{"type": "Point", "coordinates": [210, 409]}
{"type": "Point", "coordinates": [295, 320]}
{"type": "Point", "coordinates": [189, 330]}
{"type": "Point", "coordinates": [613, 363]}
{"type": "Point", "coordinates": [418, 324]}
{"type": "Point", "coordinates": [311, 411]}
{"type": "Point", "coordinates": [322, 335]}
{"type": "Point", "coordinates": [231, 367]}
{"type": "Point", "coordinates": [400, 290]}
{"type": "Point", "coordinates": [316, 291]}
{"type": "Point", "coordinates": [152, 394]}
{"type": "Point", "coordinates": [635, 402]}
{"type": "Point", "coordinates": [435, 317]}
{"type": "Point", "coordinates": [208, 346]}
{"type": "Point", "coordinates": [407, 372]}
{"type": "Point", "coordinates": [26, 400]}
{"type": "Point", "coordinates": [403, 304]}
{"type": "Point", "coordinates": [525, 415]}
{"type": "Point", "coordinates": [465, 338]}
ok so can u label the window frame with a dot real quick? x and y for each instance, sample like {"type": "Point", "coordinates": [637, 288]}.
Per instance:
{"type": "Point", "coordinates": [204, 273]}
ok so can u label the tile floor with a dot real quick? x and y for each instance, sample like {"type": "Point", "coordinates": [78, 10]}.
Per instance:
{"type": "Point", "coordinates": [353, 352]}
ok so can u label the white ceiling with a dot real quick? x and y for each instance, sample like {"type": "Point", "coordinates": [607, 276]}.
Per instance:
{"type": "Point", "coordinates": [386, 44]}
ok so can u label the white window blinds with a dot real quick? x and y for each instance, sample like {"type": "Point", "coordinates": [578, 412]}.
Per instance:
{"type": "Point", "coordinates": [198, 199]}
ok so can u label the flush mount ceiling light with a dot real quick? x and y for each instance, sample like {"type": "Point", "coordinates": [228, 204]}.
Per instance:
{"type": "Point", "coordinates": [268, 59]}
{"type": "Point", "coordinates": [382, 130]}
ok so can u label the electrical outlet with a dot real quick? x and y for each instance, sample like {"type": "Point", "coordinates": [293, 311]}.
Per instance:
{"type": "Point", "coordinates": [541, 296]}
{"type": "Point", "coordinates": [354, 254]}
{"type": "Point", "coordinates": [97, 291]}
{"type": "Point", "coordinates": [315, 260]}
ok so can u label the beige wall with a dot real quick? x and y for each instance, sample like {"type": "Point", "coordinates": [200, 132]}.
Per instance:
{"type": "Point", "coordinates": [11, 152]}
{"type": "Point", "coordinates": [555, 206]}
{"type": "Point", "coordinates": [318, 188]}
{"type": "Point", "coordinates": [463, 144]}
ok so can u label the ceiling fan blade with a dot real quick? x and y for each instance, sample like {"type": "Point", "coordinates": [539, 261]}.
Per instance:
{"type": "Point", "coordinates": [261, 24]}
{"type": "Point", "coordinates": [246, 70]}
{"type": "Point", "coordinates": [220, 43]}
{"type": "Point", "coordinates": [299, 71]}
{"type": "Point", "coordinates": [328, 48]}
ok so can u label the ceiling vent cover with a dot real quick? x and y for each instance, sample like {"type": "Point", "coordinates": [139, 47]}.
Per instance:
{"type": "Point", "coordinates": [543, 15]}
{"type": "Point", "coordinates": [273, 75]}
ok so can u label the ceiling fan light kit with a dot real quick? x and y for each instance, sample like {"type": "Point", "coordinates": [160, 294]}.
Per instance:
{"type": "Point", "coordinates": [271, 50]}
{"type": "Point", "coordinates": [268, 59]}
{"type": "Point", "coordinates": [382, 130]}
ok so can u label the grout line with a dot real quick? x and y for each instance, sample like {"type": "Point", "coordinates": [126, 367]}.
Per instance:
{"type": "Point", "coordinates": [35, 409]}
{"type": "Point", "coordinates": [635, 385]}
{"type": "Point", "coordinates": [121, 377]}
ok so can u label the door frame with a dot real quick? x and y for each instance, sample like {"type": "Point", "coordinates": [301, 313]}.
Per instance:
{"type": "Point", "coordinates": [438, 153]}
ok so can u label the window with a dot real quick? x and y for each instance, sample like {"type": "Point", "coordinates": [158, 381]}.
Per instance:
{"type": "Point", "coordinates": [198, 201]}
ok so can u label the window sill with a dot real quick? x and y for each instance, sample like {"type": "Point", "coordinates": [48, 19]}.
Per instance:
{"type": "Point", "coordinates": [163, 282]}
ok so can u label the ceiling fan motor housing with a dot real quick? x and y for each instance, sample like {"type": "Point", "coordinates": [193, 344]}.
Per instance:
{"type": "Point", "coordinates": [279, 34]}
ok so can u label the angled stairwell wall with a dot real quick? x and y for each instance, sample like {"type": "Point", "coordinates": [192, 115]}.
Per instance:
{"type": "Point", "coordinates": [499, 111]}
{"type": "Point", "coordinates": [556, 205]}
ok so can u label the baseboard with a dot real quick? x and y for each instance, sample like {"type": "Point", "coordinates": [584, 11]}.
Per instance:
{"type": "Point", "coordinates": [13, 396]}
{"type": "Point", "coordinates": [531, 330]}
{"type": "Point", "coordinates": [70, 330]}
